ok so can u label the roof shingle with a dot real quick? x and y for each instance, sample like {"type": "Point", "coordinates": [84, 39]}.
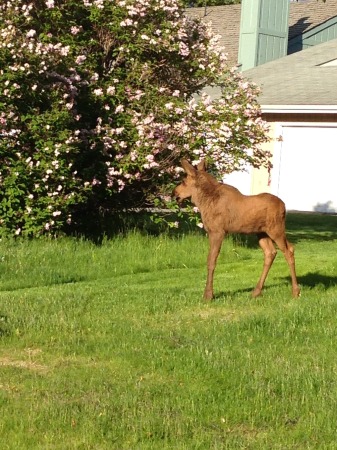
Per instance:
{"type": "Point", "coordinates": [300, 78]}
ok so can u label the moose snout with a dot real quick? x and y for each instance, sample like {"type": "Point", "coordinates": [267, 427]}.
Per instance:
{"type": "Point", "coordinates": [176, 196]}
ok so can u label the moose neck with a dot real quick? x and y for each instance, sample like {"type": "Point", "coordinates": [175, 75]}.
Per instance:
{"type": "Point", "coordinates": [206, 191]}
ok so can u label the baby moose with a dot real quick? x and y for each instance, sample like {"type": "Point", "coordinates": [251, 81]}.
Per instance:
{"type": "Point", "coordinates": [225, 210]}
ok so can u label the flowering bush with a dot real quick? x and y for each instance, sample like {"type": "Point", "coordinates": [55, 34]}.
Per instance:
{"type": "Point", "coordinates": [97, 107]}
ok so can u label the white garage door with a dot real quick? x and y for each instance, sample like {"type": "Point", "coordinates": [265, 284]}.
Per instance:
{"type": "Point", "coordinates": [305, 168]}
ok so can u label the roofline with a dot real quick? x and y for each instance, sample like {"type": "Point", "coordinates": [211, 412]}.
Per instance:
{"type": "Point", "coordinates": [299, 109]}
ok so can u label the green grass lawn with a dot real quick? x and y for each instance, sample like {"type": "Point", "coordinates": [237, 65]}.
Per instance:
{"type": "Point", "coordinates": [111, 346]}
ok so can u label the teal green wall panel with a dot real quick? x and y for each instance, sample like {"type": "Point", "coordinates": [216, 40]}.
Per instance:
{"type": "Point", "coordinates": [263, 31]}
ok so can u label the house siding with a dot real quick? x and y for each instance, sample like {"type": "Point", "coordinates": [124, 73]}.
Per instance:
{"type": "Point", "coordinates": [263, 31]}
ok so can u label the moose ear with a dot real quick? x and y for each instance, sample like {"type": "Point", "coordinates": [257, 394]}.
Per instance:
{"type": "Point", "coordinates": [189, 169]}
{"type": "Point", "coordinates": [202, 165]}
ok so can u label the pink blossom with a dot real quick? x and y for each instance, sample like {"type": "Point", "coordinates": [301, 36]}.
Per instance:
{"type": "Point", "coordinates": [94, 77]}
{"type": "Point", "coordinates": [65, 50]}
{"type": "Point", "coordinates": [111, 90]}
{"type": "Point", "coordinates": [120, 108]}
{"type": "Point", "coordinates": [80, 59]}
{"type": "Point", "coordinates": [183, 49]}
{"type": "Point", "coordinates": [126, 22]}
{"type": "Point", "coordinates": [75, 30]}
{"type": "Point", "coordinates": [148, 120]}
{"type": "Point", "coordinates": [31, 33]}
{"type": "Point", "coordinates": [99, 4]}
{"type": "Point", "coordinates": [98, 92]}
{"type": "Point", "coordinates": [138, 94]}
{"type": "Point", "coordinates": [121, 185]}
{"type": "Point", "coordinates": [133, 155]}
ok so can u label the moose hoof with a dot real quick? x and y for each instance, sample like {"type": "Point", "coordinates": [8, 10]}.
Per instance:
{"type": "Point", "coordinates": [256, 293]}
{"type": "Point", "coordinates": [296, 292]}
{"type": "Point", "coordinates": [208, 296]}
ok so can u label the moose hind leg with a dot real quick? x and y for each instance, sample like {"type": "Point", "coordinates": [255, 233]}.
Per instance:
{"type": "Point", "coordinates": [269, 251]}
{"type": "Point", "coordinates": [289, 253]}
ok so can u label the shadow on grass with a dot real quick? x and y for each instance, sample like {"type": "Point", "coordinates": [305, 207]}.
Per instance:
{"type": "Point", "coordinates": [221, 294]}
{"type": "Point", "coordinates": [249, 290]}
{"type": "Point", "coordinates": [311, 226]}
{"type": "Point", "coordinates": [301, 227]}
{"type": "Point", "coordinates": [98, 227]}
{"type": "Point", "coordinates": [312, 279]}
{"type": "Point", "coordinates": [309, 280]}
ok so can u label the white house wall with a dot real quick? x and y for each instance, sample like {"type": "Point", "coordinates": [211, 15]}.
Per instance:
{"type": "Point", "coordinates": [240, 180]}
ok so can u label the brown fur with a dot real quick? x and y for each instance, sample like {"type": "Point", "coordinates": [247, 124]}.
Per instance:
{"type": "Point", "coordinates": [225, 210]}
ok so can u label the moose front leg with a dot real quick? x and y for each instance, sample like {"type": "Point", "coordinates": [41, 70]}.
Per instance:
{"type": "Point", "coordinates": [215, 241]}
